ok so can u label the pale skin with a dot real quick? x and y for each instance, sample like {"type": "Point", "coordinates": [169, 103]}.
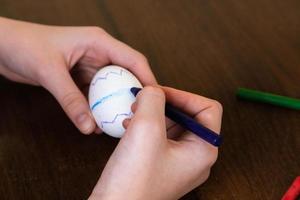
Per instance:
{"type": "Point", "coordinates": [43, 55]}
{"type": "Point", "coordinates": [155, 159]}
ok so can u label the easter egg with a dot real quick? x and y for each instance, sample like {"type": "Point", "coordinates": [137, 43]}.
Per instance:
{"type": "Point", "coordinates": [110, 98]}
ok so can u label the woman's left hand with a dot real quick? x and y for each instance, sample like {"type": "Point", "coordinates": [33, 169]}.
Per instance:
{"type": "Point", "coordinates": [43, 55]}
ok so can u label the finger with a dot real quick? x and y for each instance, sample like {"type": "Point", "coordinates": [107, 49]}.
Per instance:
{"type": "Point", "coordinates": [150, 113]}
{"type": "Point", "coordinates": [61, 85]}
{"type": "Point", "coordinates": [169, 123]}
{"type": "Point", "coordinates": [133, 107]}
{"type": "Point", "coordinates": [206, 111]}
{"type": "Point", "coordinates": [173, 129]}
{"type": "Point", "coordinates": [98, 130]}
{"type": "Point", "coordinates": [126, 123]}
{"type": "Point", "coordinates": [198, 153]}
{"type": "Point", "coordinates": [83, 74]}
{"type": "Point", "coordinates": [121, 54]}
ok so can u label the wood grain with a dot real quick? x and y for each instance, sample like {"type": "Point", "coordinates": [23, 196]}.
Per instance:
{"type": "Point", "coordinates": [203, 46]}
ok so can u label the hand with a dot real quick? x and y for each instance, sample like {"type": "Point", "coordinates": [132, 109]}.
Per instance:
{"type": "Point", "coordinates": [43, 55]}
{"type": "Point", "coordinates": [148, 165]}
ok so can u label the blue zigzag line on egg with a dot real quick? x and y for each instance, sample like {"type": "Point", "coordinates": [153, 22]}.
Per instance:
{"type": "Point", "coordinates": [115, 118]}
{"type": "Point", "coordinates": [120, 73]}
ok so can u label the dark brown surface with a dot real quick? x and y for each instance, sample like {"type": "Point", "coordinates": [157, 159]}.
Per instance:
{"type": "Point", "coordinates": [206, 47]}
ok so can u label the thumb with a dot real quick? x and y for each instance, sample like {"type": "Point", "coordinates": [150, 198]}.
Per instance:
{"type": "Point", "coordinates": [62, 86]}
{"type": "Point", "coordinates": [150, 112]}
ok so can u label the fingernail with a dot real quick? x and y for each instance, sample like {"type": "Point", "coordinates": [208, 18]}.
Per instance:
{"type": "Point", "coordinates": [85, 123]}
{"type": "Point", "coordinates": [133, 107]}
{"type": "Point", "coordinates": [126, 123]}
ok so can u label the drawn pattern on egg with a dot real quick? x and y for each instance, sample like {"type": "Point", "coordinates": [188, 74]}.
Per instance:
{"type": "Point", "coordinates": [116, 117]}
{"type": "Point", "coordinates": [120, 73]}
{"type": "Point", "coordinates": [107, 98]}
{"type": "Point", "coordinates": [110, 98]}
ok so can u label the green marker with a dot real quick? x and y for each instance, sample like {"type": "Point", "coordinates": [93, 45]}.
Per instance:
{"type": "Point", "coordinates": [269, 98]}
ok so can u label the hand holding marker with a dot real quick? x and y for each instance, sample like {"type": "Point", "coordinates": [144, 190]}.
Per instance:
{"type": "Point", "coordinates": [188, 123]}
{"type": "Point", "coordinates": [107, 90]}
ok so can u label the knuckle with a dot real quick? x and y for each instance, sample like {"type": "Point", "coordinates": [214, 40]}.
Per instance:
{"type": "Point", "coordinates": [140, 59]}
{"type": "Point", "coordinates": [212, 159]}
{"type": "Point", "coordinates": [217, 105]}
{"type": "Point", "coordinates": [205, 176]}
{"type": "Point", "coordinates": [216, 111]}
{"type": "Point", "coordinates": [148, 126]}
{"type": "Point", "coordinates": [208, 116]}
{"type": "Point", "coordinates": [96, 31]}
{"type": "Point", "coordinates": [154, 91]}
{"type": "Point", "coordinates": [143, 124]}
{"type": "Point", "coordinates": [95, 35]}
{"type": "Point", "coordinates": [147, 123]}
{"type": "Point", "coordinates": [201, 176]}
{"type": "Point", "coordinates": [210, 156]}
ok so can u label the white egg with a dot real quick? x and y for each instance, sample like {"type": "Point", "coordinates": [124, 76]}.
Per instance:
{"type": "Point", "coordinates": [110, 98]}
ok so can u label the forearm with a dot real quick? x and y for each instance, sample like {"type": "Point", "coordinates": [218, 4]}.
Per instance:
{"type": "Point", "coordinates": [7, 33]}
{"type": "Point", "coordinates": [12, 32]}
{"type": "Point", "coordinates": [3, 24]}
{"type": "Point", "coordinates": [15, 43]}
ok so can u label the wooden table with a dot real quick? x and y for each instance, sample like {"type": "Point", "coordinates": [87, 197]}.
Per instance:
{"type": "Point", "coordinates": [206, 47]}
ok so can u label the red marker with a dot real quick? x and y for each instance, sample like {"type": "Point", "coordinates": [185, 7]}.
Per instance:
{"type": "Point", "coordinates": [294, 191]}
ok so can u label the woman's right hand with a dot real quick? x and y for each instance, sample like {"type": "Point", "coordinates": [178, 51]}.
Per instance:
{"type": "Point", "coordinates": [148, 165]}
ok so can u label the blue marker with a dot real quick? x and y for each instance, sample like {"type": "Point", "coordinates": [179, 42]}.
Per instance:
{"type": "Point", "coordinates": [188, 123]}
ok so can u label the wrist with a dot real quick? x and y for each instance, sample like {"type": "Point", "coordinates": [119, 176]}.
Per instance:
{"type": "Point", "coordinates": [118, 191]}
{"type": "Point", "coordinates": [114, 195]}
